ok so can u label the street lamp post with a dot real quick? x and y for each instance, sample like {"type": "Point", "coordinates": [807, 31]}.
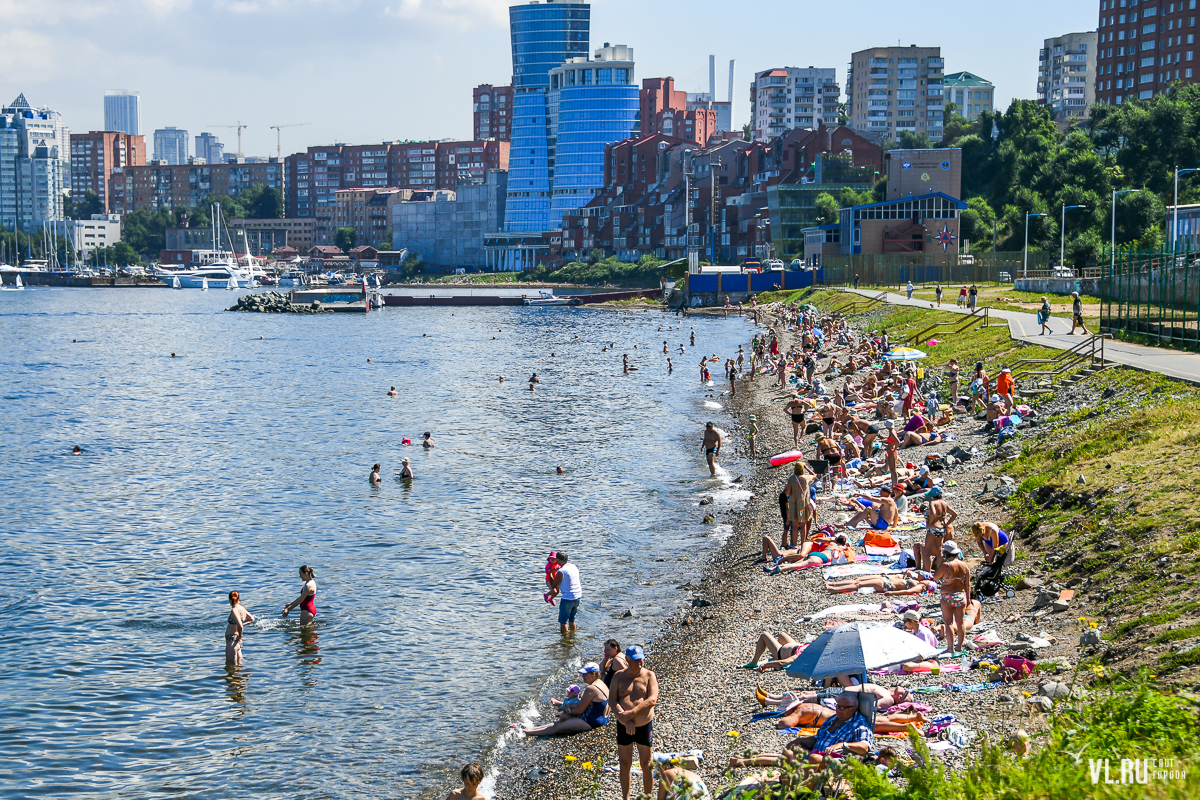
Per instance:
{"type": "Point", "coordinates": [1175, 219]}
{"type": "Point", "coordinates": [1113, 266]}
{"type": "Point", "coordinates": [1062, 250]}
{"type": "Point", "coordinates": [1025, 269]}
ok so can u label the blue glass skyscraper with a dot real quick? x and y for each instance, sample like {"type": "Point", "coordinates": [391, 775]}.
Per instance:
{"type": "Point", "coordinates": [591, 105]}
{"type": "Point", "coordinates": [544, 35]}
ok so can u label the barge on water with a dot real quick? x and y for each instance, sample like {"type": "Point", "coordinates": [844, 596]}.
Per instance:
{"type": "Point", "coordinates": [459, 295]}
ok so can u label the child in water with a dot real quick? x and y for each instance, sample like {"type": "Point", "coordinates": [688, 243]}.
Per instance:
{"type": "Point", "coordinates": [551, 571]}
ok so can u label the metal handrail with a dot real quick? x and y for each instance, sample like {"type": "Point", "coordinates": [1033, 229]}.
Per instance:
{"type": "Point", "coordinates": [1067, 360]}
{"type": "Point", "coordinates": [973, 319]}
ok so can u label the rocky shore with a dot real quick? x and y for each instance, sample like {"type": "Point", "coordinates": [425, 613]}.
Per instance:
{"type": "Point", "coordinates": [705, 695]}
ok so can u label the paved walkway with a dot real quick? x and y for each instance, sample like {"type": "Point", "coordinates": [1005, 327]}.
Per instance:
{"type": "Point", "coordinates": [1024, 326]}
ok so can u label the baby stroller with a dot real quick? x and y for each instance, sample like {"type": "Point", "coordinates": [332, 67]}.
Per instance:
{"type": "Point", "coordinates": [991, 579]}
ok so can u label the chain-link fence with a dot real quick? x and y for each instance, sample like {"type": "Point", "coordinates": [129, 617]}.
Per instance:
{"type": "Point", "coordinates": [1152, 295]}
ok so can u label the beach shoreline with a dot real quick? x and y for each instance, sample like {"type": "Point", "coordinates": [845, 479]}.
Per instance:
{"type": "Point", "coordinates": [705, 696]}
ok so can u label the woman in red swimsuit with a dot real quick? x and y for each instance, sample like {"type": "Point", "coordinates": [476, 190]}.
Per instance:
{"type": "Point", "coordinates": [307, 601]}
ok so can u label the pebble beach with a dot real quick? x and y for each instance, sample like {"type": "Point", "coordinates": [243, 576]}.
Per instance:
{"type": "Point", "coordinates": [707, 699]}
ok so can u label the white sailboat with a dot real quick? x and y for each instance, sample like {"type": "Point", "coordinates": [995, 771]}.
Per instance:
{"type": "Point", "coordinates": [18, 286]}
{"type": "Point", "coordinates": [203, 284]}
{"type": "Point", "coordinates": [175, 284]}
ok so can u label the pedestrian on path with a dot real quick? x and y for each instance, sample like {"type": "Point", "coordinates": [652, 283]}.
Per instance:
{"type": "Point", "coordinates": [962, 297]}
{"type": "Point", "coordinates": [938, 292]}
{"type": "Point", "coordinates": [856, 280]}
{"type": "Point", "coordinates": [972, 296]}
{"type": "Point", "coordinates": [1044, 317]}
{"type": "Point", "coordinates": [1077, 314]}
{"type": "Point", "coordinates": [909, 288]}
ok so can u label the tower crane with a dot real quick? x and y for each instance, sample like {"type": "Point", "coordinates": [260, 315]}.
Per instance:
{"type": "Point", "coordinates": [279, 137]}
{"type": "Point", "coordinates": [239, 127]}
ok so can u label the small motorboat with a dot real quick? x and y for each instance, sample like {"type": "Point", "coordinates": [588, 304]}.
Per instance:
{"type": "Point", "coordinates": [549, 299]}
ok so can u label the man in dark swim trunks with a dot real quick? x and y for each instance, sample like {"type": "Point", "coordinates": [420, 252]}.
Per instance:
{"type": "Point", "coordinates": [711, 446]}
{"type": "Point", "coordinates": [634, 695]}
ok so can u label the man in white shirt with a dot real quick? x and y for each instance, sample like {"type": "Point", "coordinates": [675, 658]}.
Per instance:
{"type": "Point", "coordinates": [571, 591]}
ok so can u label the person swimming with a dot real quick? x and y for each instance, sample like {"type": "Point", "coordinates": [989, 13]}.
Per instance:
{"type": "Point", "coordinates": [427, 440]}
{"type": "Point", "coordinates": [405, 472]}
{"type": "Point", "coordinates": [392, 392]}
{"type": "Point", "coordinates": [239, 617]}
{"type": "Point", "coordinates": [76, 450]}
{"type": "Point", "coordinates": [374, 479]}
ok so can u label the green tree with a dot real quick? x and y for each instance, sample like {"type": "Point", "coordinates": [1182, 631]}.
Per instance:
{"type": "Point", "coordinates": [955, 126]}
{"type": "Point", "coordinates": [976, 223]}
{"type": "Point", "coordinates": [145, 231]}
{"type": "Point", "coordinates": [843, 114]}
{"type": "Point", "coordinates": [82, 207]}
{"type": "Point", "coordinates": [912, 140]}
{"type": "Point", "coordinates": [123, 255]}
{"type": "Point", "coordinates": [748, 132]}
{"type": "Point", "coordinates": [344, 238]}
{"type": "Point", "coordinates": [827, 208]}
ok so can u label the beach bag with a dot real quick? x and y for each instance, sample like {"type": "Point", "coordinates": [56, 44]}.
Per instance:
{"type": "Point", "coordinates": [1015, 668]}
{"type": "Point", "coordinates": [960, 453]}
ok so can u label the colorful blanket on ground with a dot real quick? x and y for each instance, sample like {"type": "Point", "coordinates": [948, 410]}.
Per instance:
{"type": "Point", "coordinates": [955, 687]}
{"type": "Point", "coordinates": [852, 570]}
{"type": "Point", "coordinates": [850, 608]}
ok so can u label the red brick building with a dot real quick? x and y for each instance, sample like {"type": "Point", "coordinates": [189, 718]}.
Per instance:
{"type": "Point", "coordinates": [313, 177]}
{"type": "Point", "coordinates": [1144, 48]}
{"type": "Point", "coordinates": [492, 109]}
{"type": "Point", "coordinates": [155, 186]}
{"type": "Point", "coordinates": [95, 155]}
{"type": "Point", "coordinates": [665, 111]}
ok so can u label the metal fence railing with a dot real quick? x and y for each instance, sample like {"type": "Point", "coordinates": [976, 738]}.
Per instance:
{"type": "Point", "coordinates": [897, 269]}
{"type": "Point", "coordinates": [1155, 295]}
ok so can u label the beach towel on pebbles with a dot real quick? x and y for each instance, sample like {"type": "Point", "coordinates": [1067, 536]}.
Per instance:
{"type": "Point", "coordinates": [850, 608]}
{"type": "Point", "coordinates": [851, 570]}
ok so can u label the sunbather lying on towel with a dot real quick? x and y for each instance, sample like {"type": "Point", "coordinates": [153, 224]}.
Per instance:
{"type": "Point", "coordinates": [783, 650]}
{"type": "Point", "coordinates": [909, 582]}
{"type": "Point", "coordinates": [887, 697]}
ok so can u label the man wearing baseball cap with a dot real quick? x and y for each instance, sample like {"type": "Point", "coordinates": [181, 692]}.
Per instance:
{"type": "Point", "coordinates": [634, 695]}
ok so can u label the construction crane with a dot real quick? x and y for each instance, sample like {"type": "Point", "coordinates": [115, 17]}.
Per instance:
{"type": "Point", "coordinates": [239, 127]}
{"type": "Point", "coordinates": [279, 137]}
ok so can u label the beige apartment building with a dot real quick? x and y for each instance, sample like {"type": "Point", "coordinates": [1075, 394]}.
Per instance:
{"type": "Point", "coordinates": [890, 90]}
{"type": "Point", "coordinates": [1067, 76]}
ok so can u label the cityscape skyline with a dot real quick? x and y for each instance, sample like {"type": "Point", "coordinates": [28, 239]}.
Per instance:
{"type": "Point", "coordinates": [432, 83]}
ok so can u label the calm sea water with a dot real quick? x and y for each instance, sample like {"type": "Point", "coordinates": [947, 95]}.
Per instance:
{"type": "Point", "coordinates": [232, 464]}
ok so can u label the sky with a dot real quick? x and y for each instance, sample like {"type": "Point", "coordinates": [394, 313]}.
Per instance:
{"type": "Point", "coordinates": [365, 71]}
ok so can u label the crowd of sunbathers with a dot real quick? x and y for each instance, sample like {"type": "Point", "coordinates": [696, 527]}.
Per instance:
{"type": "Point", "coordinates": [858, 431]}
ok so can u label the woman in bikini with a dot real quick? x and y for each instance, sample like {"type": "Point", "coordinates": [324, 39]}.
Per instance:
{"type": "Point", "coordinates": [992, 540]}
{"type": "Point", "coordinates": [910, 582]}
{"type": "Point", "coordinates": [239, 617]}
{"type": "Point", "coordinates": [589, 712]}
{"type": "Point", "coordinates": [914, 439]}
{"type": "Point", "coordinates": [839, 552]}
{"type": "Point", "coordinates": [307, 601]}
{"type": "Point", "coordinates": [952, 379]}
{"type": "Point", "coordinates": [953, 578]}
{"type": "Point", "coordinates": [783, 650]}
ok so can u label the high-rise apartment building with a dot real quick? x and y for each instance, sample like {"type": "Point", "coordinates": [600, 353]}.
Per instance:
{"type": "Point", "coordinates": [210, 149]}
{"type": "Point", "coordinates": [313, 177]}
{"type": "Point", "coordinates": [1144, 48]}
{"type": "Point", "coordinates": [171, 145]}
{"type": "Point", "coordinates": [123, 112]}
{"type": "Point", "coordinates": [95, 155]}
{"type": "Point", "coordinates": [155, 186]}
{"type": "Point", "coordinates": [591, 104]}
{"type": "Point", "coordinates": [890, 90]}
{"type": "Point", "coordinates": [33, 165]}
{"type": "Point", "coordinates": [669, 112]}
{"type": "Point", "coordinates": [972, 94]}
{"type": "Point", "coordinates": [791, 97]}
{"type": "Point", "coordinates": [492, 108]}
{"type": "Point", "coordinates": [1067, 76]}
{"type": "Point", "coordinates": [544, 35]}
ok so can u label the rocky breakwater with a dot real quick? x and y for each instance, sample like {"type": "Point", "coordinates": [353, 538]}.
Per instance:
{"type": "Point", "coordinates": [275, 303]}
